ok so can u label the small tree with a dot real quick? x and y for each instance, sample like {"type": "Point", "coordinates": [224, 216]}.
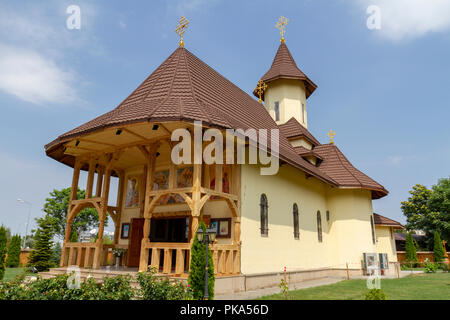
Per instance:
{"type": "Point", "coordinates": [40, 257]}
{"type": "Point", "coordinates": [196, 278]}
{"type": "Point", "coordinates": [2, 251]}
{"type": "Point", "coordinates": [411, 254]}
{"type": "Point", "coordinates": [13, 259]}
{"type": "Point", "coordinates": [438, 248]}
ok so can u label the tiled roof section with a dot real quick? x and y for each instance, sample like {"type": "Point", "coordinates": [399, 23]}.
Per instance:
{"type": "Point", "coordinates": [378, 219]}
{"type": "Point", "coordinates": [303, 152]}
{"type": "Point", "coordinates": [184, 88]}
{"type": "Point", "coordinates": [337, 166]}
{"type": "Point", "coordinates": [284, 67]}
{"type": "Point", "coordinates": [293, 128]}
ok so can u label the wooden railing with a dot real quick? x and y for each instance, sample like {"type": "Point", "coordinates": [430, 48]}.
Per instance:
{"type": "Point", "coordinates": [79, 254]}
{"type": "Point", "coordinates": [173, 258]}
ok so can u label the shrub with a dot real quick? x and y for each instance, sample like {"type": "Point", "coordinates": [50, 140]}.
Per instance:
{"type": "Point", "coordinates": [438, 248]}
{"type": "Point", "coordinates": [40, 257]}
{"type": "Point", "coordinates": [117, 288]}
{"type": "Point", "coordinates": [13, 259]}
{"type": "Point", "coordinates": [2, 251]}
{"type": "Point", "coordinates": [431, 267]}
{"type": "Point", "coordinates": [375, 294]}
{"type": "Point", "coordinates": [157, 288]}
{"type": "Point", "coordinates": [196, 278]}
{"type": "Point", "coordinates": [411, 255]}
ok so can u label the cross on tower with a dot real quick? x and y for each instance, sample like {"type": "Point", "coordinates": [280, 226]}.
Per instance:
{"type": "Point", "coordinates": [281, 25]}
{"type": "Point", "coordinates": [331, 135]}
{"type": "Point", "coordinates": [181, 28]}
{"type": "Point", "coordinates": [260, 88]}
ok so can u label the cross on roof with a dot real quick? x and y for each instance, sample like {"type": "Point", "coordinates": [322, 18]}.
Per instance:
{"type": "Point", "coordinates": [181, 28]}
{"type": "Point", "coordinates": [331, 135]}
{"type": "Point", "coordinates": [281, 25]}
{"type": "Point", "coordinates": [260, 88]}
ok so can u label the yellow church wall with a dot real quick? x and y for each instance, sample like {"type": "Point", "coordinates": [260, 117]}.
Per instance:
{"type": "Point", "coordinates": [350, 212]}
{"type": "Point", "coordinates": [271, 254]}
{"type": "Point", "coordinates": [290, 94]}
{"type": "Point", "coordinates": [301, 143]}
{"type": "Point", "coordinates": [385, 242]}
{"type": "Point", "coordinates": [345, 236]}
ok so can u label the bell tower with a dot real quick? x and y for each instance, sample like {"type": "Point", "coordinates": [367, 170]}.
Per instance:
{"type": "Point", "coordinates": [287, 87]}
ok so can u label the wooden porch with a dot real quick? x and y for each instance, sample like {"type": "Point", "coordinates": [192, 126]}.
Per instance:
{"type": "Point", "coordinates": [169, 258]}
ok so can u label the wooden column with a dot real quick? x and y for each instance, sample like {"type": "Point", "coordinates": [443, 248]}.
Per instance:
{"type": "Point", "coordinates": [102, 216]}
{"type": "Point", "coordinates": [143, 261]}
{"type": "Point", "coordinates": [218, 177]}
{"type": "Point", "coordinates": [90, 181]}
{"type": "Point", "coordinates": [100, 172]}
{"type": "Point", "coordinates": [119, 205]}
{"type": "Point", "coordinates": [69, 218]}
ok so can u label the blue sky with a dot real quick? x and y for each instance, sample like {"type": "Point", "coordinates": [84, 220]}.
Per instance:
{"type": "Point", "coordinates": [384, 92]}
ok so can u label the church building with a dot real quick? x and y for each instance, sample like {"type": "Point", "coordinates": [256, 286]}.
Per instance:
{"type": "Point", "coordinates": [314, 217]}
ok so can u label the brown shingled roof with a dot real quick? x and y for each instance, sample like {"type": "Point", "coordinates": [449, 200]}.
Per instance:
{"type": "Point", "coordinates": [339, 168]}
{"type": "Point", "coordinates": [378, 219]}
{"type": "Point", "coordinates": [293, 129]}
{"type": "Point", "coordinates": [184, 88]}
{"type": "Point", "coordinates": [284, 67]}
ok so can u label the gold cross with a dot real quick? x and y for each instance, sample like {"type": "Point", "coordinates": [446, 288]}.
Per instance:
{"type": "Point", "coordinates": [331, 135]}
{"type": "Point", "coordinates": [181, 28]}
{"type": "Point", "coordinates": [281, 25]}
{"type": "Point", "coordinates": [260, 88]}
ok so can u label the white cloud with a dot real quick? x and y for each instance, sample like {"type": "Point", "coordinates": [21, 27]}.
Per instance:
{"type": "Point", "coordinates": [34, 78]}
{"type": "Point", "coordinates": [407, 19]}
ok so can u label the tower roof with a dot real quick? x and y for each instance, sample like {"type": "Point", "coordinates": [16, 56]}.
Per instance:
{"type": "Point", "coordinates": [284, 67]}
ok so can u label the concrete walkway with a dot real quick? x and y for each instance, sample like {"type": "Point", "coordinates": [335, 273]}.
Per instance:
{"type": "Point", "coordinates": [248, 295]}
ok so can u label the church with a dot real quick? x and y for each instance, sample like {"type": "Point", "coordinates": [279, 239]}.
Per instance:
{"type": "Point", "coordinates": [314, 217]}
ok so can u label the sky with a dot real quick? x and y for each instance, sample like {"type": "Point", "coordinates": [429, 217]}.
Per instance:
{"type": "Point", "coordinates": [384, 91]}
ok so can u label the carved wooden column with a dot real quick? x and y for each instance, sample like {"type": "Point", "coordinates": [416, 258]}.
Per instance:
{"type": "Point", "coordinates": [69, 218]}
{"type": "Point", "coordinates": [119, 204]}
{"type": "Point", "coordinates": [90, 181]}
{"type": "Point", "coordinates": [151, 160]}
{"type": "Point", "coordinates": [102, 215]}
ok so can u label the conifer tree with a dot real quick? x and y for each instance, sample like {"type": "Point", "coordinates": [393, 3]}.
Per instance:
{"type": "Point", "coordinates": [196, 278]}
{"type": "Point", "coordinates": [438, 248]}
{"type": "Point", "coordinates": [40, 257]}
{"type": "Point", "coordinates": [411, 254]}
{"type": "Point", "coordinates": [13, 259]}
{"type": "Point", "coordinates": [3, 250]}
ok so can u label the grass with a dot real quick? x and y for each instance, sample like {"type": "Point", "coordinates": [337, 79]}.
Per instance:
{"type": "Point", "coordinates": [11, 273]}
{"type": "Point", "coordinates": [434, 286]}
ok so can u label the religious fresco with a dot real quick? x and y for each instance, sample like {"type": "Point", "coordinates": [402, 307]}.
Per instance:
{"type": "Point", "coordinates": [184, 180]}
{"type": "Point", "coordinates": [132, 199]}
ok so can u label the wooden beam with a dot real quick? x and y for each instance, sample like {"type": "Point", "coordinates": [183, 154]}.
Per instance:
{"type": "Point", "coordinates": [90, 181]}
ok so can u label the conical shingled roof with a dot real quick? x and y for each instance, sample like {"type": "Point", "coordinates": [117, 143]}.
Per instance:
{"type": "Point", "coordinates": [184, 88]}
{"type": "Point", "coordinates": [284, 67]}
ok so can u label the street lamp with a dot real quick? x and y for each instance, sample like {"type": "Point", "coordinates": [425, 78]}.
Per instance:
{"type": "Point", "coordinates": [28, 221]}
{"type": "Point", "coordinates": [206, 238]}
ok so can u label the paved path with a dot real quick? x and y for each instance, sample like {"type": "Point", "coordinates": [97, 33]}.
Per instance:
{"type": "Point", "coordinates": [248, 295]}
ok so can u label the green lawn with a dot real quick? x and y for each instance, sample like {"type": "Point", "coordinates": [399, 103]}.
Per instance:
{"type": "Point", "coordinates": [11, 273]}
{"type": "Point", "coordinates": [414, 287]}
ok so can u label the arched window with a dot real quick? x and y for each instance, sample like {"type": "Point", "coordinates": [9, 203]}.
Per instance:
{"type": "Point", "coordinates": [296, 229]}
{"type": "Point", "coordinates": [328, 215]}
{"type": "Point", "coordinates": [373, 229]}
{"type": "Point", "coordinates": [277, 111]}
{"type": "Point", "coordinates": [264, 216]}
{"type": "Point", "coordinates": [319, 226]}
